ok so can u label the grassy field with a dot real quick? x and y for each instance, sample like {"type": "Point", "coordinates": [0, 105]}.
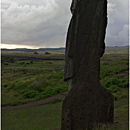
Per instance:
{"type": "Point", "coordinates": [44, 117]}
{"type": "Point", "coordinates": [47, 117]}
{"type": "Point", "coordinates": [29, 77]}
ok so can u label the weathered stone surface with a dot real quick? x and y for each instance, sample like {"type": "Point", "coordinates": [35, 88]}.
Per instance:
{"type": "Point", "coordinates": [87, 101]}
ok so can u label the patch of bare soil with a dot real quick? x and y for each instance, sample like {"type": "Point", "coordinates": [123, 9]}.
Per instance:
{"type": "Point", "coordinates": [47, 100]}
{"type": "Point", "coordinates": [36, 103]}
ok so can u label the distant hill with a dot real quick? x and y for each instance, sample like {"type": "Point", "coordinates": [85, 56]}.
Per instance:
{"type": "Point", "coordinates": [116, 49]}
{"type": "Point", "coordinates": [34, 50]}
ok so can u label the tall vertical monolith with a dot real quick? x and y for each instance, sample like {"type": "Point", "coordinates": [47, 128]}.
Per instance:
{"type": "Point", "coordinates": [87, 102]}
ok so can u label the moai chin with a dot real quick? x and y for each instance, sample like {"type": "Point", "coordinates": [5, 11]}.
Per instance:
{"type": "Point", "coordinates": [87, 102]}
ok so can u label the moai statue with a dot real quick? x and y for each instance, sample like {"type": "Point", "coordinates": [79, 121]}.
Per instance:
{"type": "Point", "coordinates": [87, 102]}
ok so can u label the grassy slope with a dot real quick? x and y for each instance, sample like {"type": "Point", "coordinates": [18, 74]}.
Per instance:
{"type": "Point", "coordinates": [35, 118]}
{"type": "Point", "coordinates": [20, 78]}
{"type": "Point", "coordinates": [48, 116]}
{"type": "Point", "coordinates": [117, 50]}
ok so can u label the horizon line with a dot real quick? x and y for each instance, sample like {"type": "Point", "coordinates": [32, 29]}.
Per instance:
{"type": "Point", "coordinates": [53, 47]}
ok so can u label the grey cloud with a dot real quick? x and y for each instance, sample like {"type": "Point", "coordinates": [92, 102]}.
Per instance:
{"type": "Point", "coordinates": [44, 23]}
{"type": "Point", "coordinates": [119, 40]}
{"type": "Point", "coordinates": [35, 24]}
{"type": "Point", "coordinates": [117, 29]}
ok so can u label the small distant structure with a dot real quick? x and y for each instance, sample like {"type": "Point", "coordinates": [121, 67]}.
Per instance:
{"type": "Point", "coordinates": [35, 52]}
{"type": "Point", "coordinates": [47, 53]}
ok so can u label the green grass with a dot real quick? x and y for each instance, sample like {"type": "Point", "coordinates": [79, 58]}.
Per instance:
{"type": "Point", "coordinates": [48, 117]}
{"type": "Point", "coordinates": [112, 64]}
{"type": "Point", "coordinates": [30, 72]}
{"type": "Point", "coordinates": [19, 79]}
{"type": "Point", "coordinates": [44, 117]}
{"type": "Point", "coordinates": [117, 50]}
{"type": "Point", "coordinates": [38, 78]}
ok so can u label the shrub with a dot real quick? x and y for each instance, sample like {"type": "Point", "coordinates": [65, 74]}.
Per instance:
{"type": "Point", "coordinates": [124, 96]}
{"type": "Point", "coordinates": [55, 76]}
{"type": "Point", "coordinates": [37, 85]}
{"type": "Point", "coordinates": [56, 100]}
{"type": "Point", "coordinates": [110, 82]}
{"type": "Point", "coordinates": [126, 84]}
{"type": "Point", "coordinates": [113, 88]}
{"type": "Point", "coordinates": [11, 86]}
{"type": "Point", "coordinates": [30, 94]}
{"type": "Point", "coordinates": [35, 52]}
{"type": "Point", "coordinates": [59, 89]}
{"type": "Point", "coordinates": [49, 92]}
{"type": "Point", "coordinates": [47, 53]}
{"type": "Point", "coordinates": [123, 70]}
{"type": "Point", "coordinates": [5, 63]}
{"type": "Point", "coordinates": [115, 97]}
{"type": "Point", "coordinates": [105, 63]}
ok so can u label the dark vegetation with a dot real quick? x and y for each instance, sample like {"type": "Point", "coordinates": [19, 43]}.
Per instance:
{"type": "Point", "coordinates": [28, 77]}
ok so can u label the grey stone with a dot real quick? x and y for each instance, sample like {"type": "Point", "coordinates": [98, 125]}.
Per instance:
{"type": "Point", "coordinates": [87, 101]}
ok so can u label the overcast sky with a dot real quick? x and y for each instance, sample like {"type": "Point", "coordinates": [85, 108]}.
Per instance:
{"type": "Point", "coordinates": [44, 23]}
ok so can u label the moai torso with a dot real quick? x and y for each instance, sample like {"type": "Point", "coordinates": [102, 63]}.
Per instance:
{"type": "Point", "coordinates": [87, 102]}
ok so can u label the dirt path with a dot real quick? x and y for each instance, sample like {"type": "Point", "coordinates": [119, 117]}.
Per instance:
{"type": "Point", "coordinates": [118, 75]}
{"type": "Point", "coordinates": [36, 103]}
{"type": "Point", "coordinates": [47, 100]}
{"type": "Point", "coordinates": [57, 129]}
